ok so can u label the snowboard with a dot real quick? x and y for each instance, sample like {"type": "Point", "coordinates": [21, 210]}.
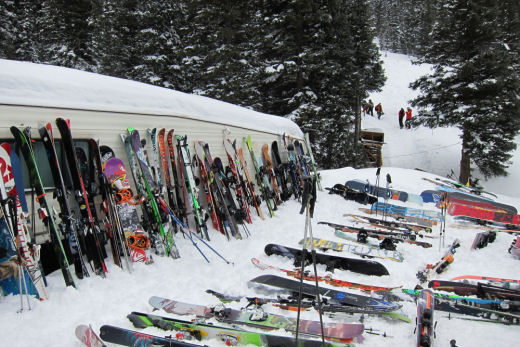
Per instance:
{"type": "Point", "coordinates": [369, 249]}
{"type": "Point", "coordinates": [116, 174]}
{"type": "Point", "coordinates": [406, 211]}
{"type": "Point", "coordinates": [367, 267]}
{"type": "Point", "coordinates": [263, 321]}
{"type": "Point", "coordinates": [380, 192]}
{"type": "Point", "coordinates": [364, 251]}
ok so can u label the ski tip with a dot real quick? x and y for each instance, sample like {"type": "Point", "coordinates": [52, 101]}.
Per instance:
{"type": "Point", "coordinates": [87, 335]}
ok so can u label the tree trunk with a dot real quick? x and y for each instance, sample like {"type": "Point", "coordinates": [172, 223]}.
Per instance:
{"type": "Point", "coordinates": [465, 169]}
{"type": "Point", "coordinates": [357, 129]}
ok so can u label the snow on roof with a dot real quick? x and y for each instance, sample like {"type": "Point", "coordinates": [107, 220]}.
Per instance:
{"type": "Point", "coordinates": [24, 83]}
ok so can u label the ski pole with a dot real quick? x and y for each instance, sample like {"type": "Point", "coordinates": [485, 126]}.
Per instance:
{"type": "Point", "coordinates": [181, 224]}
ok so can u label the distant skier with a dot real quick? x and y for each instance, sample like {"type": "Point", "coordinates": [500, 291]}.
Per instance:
{"type": "Point", "coordinates": [364, 107]}
{"type": "Point", "coordinates": [408, 118]}
{"type": "Point", "coordinates": [371, 107]}
{"type": "Point", "coordinates": [379, 110]}
{"type": "Point", "coordinates": [401, 117]}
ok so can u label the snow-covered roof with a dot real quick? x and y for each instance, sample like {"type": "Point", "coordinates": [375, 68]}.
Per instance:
{"type": "Point", "coordinates": [24, 83]}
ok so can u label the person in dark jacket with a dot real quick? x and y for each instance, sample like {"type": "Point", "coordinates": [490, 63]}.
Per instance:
{"type": "Point", "coordinates": [371, 107]}
{"type": "Point", "coordinates": [401, 117]}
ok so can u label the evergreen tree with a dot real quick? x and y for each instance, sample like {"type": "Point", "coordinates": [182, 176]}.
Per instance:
{"type": "Point", "coordinates": [217, 49]}
{"type": "Point", "coordinates": [308, 68]}
{"type": "Point", "coordinates": [115, 34]}
{"type": "Point", "coordinates": [8, 29]}
{"type": "Point", "coordinates": [157, 44]}
{"type": "Point", "coordinates": [473, 85]}
{"type": "Point", "coordinates": [66, 33]}
{"type": "Point", "coordinates": [21, 30]}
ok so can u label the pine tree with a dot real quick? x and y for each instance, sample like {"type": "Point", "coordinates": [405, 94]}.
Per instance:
{"type": "Point", "coordinates": [67, 35]}
{"type": "Point", "coordinates": [473, 85]}
{"type": "Point", "coordinates": [115, 33]}
{"type": "Point", "coordinates": [21, 30]}
{"type": "Point", "coordinates": [157, 43]}
{"type": "Point", "coordinates": [217, 49]}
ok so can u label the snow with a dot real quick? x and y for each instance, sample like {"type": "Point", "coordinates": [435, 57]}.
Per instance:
{"type": "Point", "coordinates": [107, 301]}
{"type": "Point", "coordinates": [23, 83]}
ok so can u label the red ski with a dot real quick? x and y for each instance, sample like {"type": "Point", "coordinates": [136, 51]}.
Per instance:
{"type": "Point", "coordinates": [296, 273]}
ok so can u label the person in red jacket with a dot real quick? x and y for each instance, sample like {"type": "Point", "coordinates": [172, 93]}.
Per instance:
{"type": "Point", "coordinates": [401, 117]}
{"type": "Point", "coordinates": [379, 110]}
{"type": "Point", "coordinates": [408, 118]}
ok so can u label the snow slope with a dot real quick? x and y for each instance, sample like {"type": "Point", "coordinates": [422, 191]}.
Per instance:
{"type": "Point", "coordinates": [433, 150]}
{"type": "Point", "coordinates": [107, 301]}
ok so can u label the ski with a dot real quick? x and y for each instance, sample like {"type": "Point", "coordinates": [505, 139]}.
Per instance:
{"type": "Point", "coordinates": [91, 230]}
{"type": "Point", "coordinates": [425, 324]}
{"type": "Point", "coordinates": [291, 303]}
{"type": "Point", "coordinates": [230, 336]}
{"type": "Point", "coordinates": [67, 227]}
{"type": "Point", "coordinates": [401, 217]}
{"type": "Point", "coordinates": [132, 338]}
{"type": "Point", "coordinates": [481, 290]}
{"type": "Point", "coordinates": [237, 178]}
{"type": "Point", "coordinates": [259, 319]}
{"type": "Point", "coordinates": [167, 241]}
{"type": "Point", "coordinates": [260, 180]}
{"type": "Point", "coordinates": [179, 202]}
{"type": "Point", "coordinates": [86, 334]}
{"type": "Point", "coordinates": [28, 252]}
{"type": "Point", "coordinates": [253, 197]}
{"type": "Point", "coordinates": [228, 209]}
{"type": "Point", "coordinates": [192, 190]}
{"type": "Point", "coordinates": [296, 273]}
{"type": "Point", "coordinates": [48, 218]}
{"type": "Point", "coordinates": [340, 297]}
{"type": "Point", "coordinates": [486, 278]}
{"type": "Point", "coordinates": [441, 265]}
{"type": "Point", "coordinates": [214, 200]}
{"type": "Point", "coordinates": [363, 234]}
{"type": "Point", "coordinates": [389, 223]}
{"type": "Point", "coordinates": [312, 161]}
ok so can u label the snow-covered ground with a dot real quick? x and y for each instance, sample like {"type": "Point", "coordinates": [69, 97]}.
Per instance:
{"type": "Point", "coordinates": [107, 301]}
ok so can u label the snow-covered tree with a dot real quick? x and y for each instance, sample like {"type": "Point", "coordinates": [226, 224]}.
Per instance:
{"type": "Point", "coordinates": [474, 84]}
{"type": "Point", "coordinates": [218, 50]}
{"type": "Point", "coordinates": [314, 53]}
{"type": "Point", "coordinates": [66, 33]}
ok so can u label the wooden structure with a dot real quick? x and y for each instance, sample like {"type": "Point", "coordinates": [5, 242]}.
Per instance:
{"type": "Point", "coordinates": [372, 141]}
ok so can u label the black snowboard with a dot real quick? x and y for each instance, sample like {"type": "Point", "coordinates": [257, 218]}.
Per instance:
{"type": "Point", "coordinates": [367, 267]}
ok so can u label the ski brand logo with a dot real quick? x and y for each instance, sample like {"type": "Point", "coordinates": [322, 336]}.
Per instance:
{"type": "Point", "coordinates": [7, 170]}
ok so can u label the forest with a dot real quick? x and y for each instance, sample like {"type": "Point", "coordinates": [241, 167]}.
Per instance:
{"type": "Point", "coordinates": [313, 61]}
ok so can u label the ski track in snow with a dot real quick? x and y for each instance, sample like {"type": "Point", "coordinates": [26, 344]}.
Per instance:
{"type": "Point", "coordinates": [107, 301]}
